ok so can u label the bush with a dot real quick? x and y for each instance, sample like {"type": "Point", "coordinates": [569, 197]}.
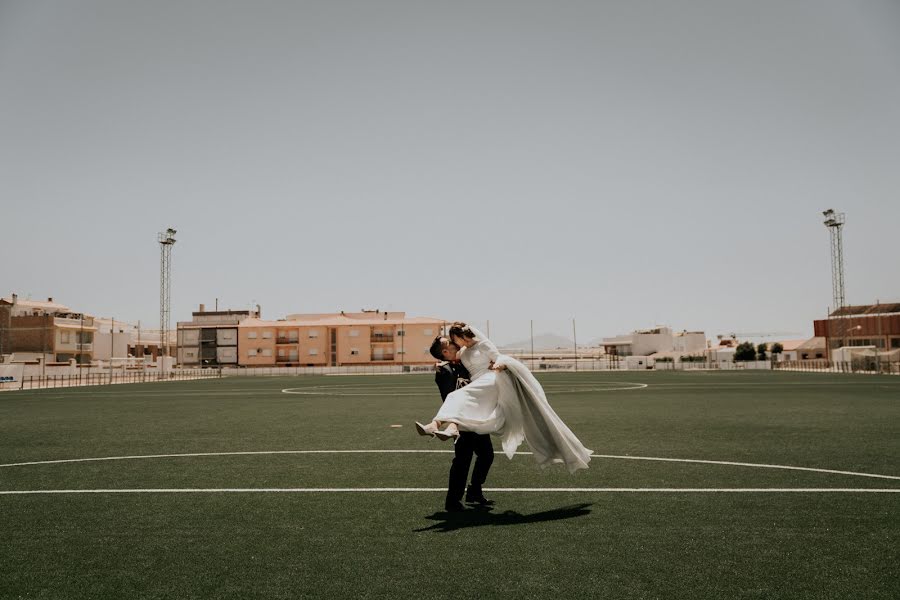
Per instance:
{"type": "Point", "coordinates": [693, 358]}
{"type": "Point", "coordinates": [745, 351]}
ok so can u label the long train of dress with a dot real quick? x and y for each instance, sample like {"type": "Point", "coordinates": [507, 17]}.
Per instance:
{"type": "Point", "coordinates": [512, 405]}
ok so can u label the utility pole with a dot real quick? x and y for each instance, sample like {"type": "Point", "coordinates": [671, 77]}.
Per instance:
{"type": "Point", "coordinates": [112, 346]}
{"type": "Point", "coordinates": [880, 339]}
{"type": "Point", "coordinates": [532, 344]}
{"type": "Point", "coordinates": [575, 340]}
{"type": "Point", "coordinates": [80, 348]}
{"type": "Point", "coordinates": [166, 241]}
{"type": "Point", "coordinates": [44, 348]}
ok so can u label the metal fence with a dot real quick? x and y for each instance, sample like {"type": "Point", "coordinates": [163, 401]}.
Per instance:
{"type": "Point", "coordinates": [35, 382]}
{"type": "Point", "coordinates": [861, 366]}
{"type": "Point", "coordinates": [866, 365]}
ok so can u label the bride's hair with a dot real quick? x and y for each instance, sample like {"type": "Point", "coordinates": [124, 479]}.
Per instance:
{"type": "Point", "coordinates": [460, 329]}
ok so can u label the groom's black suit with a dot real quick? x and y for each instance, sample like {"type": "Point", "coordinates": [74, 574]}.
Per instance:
{"type": "Point", "coordinates": [449, 377]}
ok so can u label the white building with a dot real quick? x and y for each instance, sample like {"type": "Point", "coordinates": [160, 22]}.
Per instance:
{"type": "Point", "coordinates": [654, 341]}
{"type": "Point", "coordinates": [113, 338]}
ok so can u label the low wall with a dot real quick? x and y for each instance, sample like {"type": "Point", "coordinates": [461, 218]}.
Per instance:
{"type": "Point", "coordinates": [360, 370]}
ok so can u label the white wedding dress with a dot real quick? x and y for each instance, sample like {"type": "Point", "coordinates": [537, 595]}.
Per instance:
{"type": "Point", "coordinates": [512, 405]}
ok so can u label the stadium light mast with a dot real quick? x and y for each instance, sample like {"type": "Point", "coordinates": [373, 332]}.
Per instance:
{"type": "Point", "coordinates": [835, 223]}
{"type": "Point", "coordinates": [166, 240]}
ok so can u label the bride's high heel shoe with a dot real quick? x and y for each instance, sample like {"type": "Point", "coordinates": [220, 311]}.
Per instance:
{"type": "Point", "coordinates": [450, 432]}
{"type": "Point", "coordinates": [429, 429]}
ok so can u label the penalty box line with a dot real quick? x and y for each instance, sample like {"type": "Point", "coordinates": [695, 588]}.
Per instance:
{"type": "Point", "coordinates": [600, 490]}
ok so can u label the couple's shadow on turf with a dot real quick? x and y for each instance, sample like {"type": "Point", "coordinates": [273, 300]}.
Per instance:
{"type": "Point", "coordinates": [477, 517]}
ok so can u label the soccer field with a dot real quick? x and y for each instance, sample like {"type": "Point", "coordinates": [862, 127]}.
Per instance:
{"type": "Point", "coordinates": [703, 485]}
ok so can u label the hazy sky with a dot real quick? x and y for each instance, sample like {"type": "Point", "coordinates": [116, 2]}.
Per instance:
{"type": "Point", "coordinates": [624, 163]}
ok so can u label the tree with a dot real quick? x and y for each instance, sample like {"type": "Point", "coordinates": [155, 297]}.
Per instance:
{"type": "Point", "coordinates": [745, 351]}
{"type": "Point", "coordinates": [761, 351]}
{"type": "Point", "coordinates": [777, 348]}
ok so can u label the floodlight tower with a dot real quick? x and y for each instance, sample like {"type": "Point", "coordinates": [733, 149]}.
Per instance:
{"type": "Point", "coordinates": [166, 240]}
{"type": "Point", "coordinates": [835, 223]}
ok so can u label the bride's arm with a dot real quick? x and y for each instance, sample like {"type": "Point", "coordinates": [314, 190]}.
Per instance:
{"type": "Point", "coordinates": [490, 349]}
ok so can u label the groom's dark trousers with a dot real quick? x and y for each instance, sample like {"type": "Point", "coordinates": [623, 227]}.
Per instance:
{"type": "Point", "coordinates": [449, 377]}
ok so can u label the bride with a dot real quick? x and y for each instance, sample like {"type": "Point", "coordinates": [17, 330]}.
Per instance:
{"type": "Point", "coordinates": [506, 400]}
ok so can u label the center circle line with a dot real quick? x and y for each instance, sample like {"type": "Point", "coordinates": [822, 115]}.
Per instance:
{"type": "Point", "coordinates": [406, 451]}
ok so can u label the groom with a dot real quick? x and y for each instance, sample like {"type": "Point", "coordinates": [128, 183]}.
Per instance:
{"type": "Point", "coordinates": [452, 375]}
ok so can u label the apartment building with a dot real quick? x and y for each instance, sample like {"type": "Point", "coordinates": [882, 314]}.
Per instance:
{"type": "Point", "coordinates": [210, 339]}
{"type": "Point", "coordinates": [338, 339]}
{"type": "Point", "coordinates": [32, 329]}
{"type": "Point", "coordinates": [147, 344]}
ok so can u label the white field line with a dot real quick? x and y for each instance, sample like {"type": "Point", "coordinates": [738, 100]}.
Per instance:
{"type": "Point", "coordinates": [605, 456]}
{"type": "Point", "coordinates": [428, 389]}
{"type": "Point", "coordinates": [316, 391]}
{"type": "Point", "coordinates": [443, 490]}
{"type": "Point", "coordinates": [375, 391]}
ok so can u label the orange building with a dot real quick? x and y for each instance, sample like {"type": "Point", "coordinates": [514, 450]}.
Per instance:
{"type": "Point", "coordinates": [342, 339]}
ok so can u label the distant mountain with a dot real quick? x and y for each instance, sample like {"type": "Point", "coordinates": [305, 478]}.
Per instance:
{"type": "Point", "coordinates": [544, 341]}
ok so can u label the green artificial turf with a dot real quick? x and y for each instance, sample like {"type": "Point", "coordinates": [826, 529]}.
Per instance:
{"type": "Point", "coordinates": [400, 544]}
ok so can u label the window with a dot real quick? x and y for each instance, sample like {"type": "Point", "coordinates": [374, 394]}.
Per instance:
{"type": "Point", "coordinates": [401, 332]}
{"type": "Point", "coordinates": [313, 333]}
{"type": "Point", "coordinates": [281, 352]}
{"type": "Point", "coordinates": [251, 352]}
{"type": "Point", "coordinates": [895, 343]}
{"type": "Point", "coordinates": [267, 352]}
{"type": "Point", "coordinates": [251, 335]}
{"type": "Point", "coordinates": [354, 351]}
{"type": "Point", "coordinates": [64, 337]}
{"type": "Point", "coordinates": [292, 335]}
{"type": "Point", "coordinates": [293, 355]}
{"type": "Point", "coordinates": [354, 333]}
{"type": "Point", "coordinates": [428, 331]}
{"type": "Point", "coordinates": [267, 335]}
{"type": "Point", "coordinates": [401, 351]}
{"type": "Point", "coordinates": [313, 351]}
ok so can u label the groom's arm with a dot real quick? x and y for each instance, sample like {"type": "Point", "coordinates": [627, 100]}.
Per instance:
{"type": "Point", "coordinates": [445, 379]}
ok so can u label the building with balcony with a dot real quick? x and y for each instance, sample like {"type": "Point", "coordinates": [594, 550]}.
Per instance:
{"type": "Point", "coordinates": [210, 339]}
{"type": "Point", "coordinates": [52, 332]}
{"type": "Point", "coordinates": [338, 339]}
